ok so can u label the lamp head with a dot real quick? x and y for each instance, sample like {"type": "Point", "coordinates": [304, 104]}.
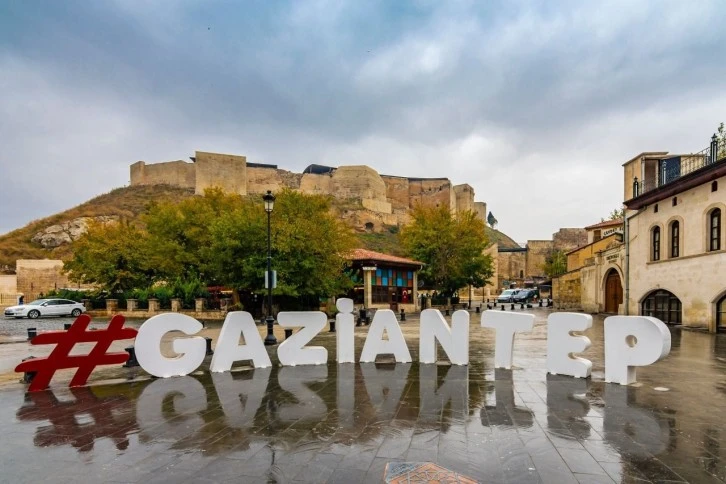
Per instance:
{"type": "Point", "coordinates": [269, 199]}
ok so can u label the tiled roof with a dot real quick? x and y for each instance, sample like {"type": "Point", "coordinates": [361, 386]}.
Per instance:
{"type": "Point", "coordinates": [607, 223]}
{"type": "Point", "coordinates": [365, 254]}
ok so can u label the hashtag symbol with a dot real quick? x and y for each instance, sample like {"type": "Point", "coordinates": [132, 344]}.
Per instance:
{"type": "Point", "coordinates": [60, 358]}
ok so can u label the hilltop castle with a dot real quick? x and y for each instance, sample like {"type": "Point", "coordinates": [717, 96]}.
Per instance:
{"type": "Point", "coordinates": [383, 199]}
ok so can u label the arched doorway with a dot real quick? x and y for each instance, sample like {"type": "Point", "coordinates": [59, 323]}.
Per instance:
{"type": "Point", "coordinates": [721, 314]}
{"type": "Point", "coordinates": [613, 291]}
{"type": "Point", "coordinates": [663, 305]}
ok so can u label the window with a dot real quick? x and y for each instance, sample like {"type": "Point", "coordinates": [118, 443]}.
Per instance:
{"type": "Point", "coordinates": [721, 314]}
{"type": "Point", "coordinates": [521, 274]}
{"type": "Point", "coordinates": [655, 253]}
{"type": "Point", "coordinates": [714, 186]}
{"type": "Point", "coordinates": [675, 201]}
{"type": "Point", "coordinates": [714, 229]}
{"type": "Point", "coordinates": [655, 208]}
{"type": "Point", "coordinates": [675, 237]}
{"type": "Point", "coordinates": [597, 235]}
{"type": "Point", "coordinates": [662, 305]}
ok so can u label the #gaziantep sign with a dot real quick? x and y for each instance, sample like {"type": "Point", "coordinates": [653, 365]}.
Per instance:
{"type": "Point", "coordinates": [630, 341]}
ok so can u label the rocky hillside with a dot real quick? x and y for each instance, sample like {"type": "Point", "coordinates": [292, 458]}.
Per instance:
{"type": "Point", "coordinates": [52, 237]}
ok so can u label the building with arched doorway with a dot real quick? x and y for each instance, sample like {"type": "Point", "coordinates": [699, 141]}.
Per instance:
{"type": "Point", "coordinates": [675, 237]}
{"type": "Point", "coordinates": [594, 278]}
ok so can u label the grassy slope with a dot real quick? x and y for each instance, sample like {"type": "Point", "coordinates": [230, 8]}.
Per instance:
{"type": "Point", "coordinates": [129, 202]}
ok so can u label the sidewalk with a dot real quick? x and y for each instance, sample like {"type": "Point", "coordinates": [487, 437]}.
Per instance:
{"type": "Point", "coordinates": [345, 423]}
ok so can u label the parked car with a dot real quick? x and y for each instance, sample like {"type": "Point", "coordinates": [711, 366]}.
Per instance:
{"type": "Point", "coordinates": [507, 296]}
{"type": "Point", "coordinates": [46, 307]}
{"type": "Point", "coordinates": [526, 296]}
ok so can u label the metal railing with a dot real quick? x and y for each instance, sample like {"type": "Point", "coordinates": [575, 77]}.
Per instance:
{"type": "Point", "coordinates": [673, 168]}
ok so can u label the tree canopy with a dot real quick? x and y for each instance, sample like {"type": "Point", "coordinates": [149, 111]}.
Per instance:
{"type": "Point", "coordinates": [555, 263]}
{"type": "Point", "coordinates": [617, 213]}
{"type": "Point", "coordinates": [222, 240]}
{"type": "Point", "coordinates": [451, 247]}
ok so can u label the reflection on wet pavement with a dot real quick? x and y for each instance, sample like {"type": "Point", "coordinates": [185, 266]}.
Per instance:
{"type": "Point", "coordinates": [345, 423]}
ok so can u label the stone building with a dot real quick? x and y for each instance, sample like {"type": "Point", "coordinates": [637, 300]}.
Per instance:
{"type": "Point", "coordinates": [672, 258]}
{"type": "Point", "coordinates": [675, 237]}
{"type": "Point", "coordinates": [385, 281]}
{"type": "Point", "coordinates": [593, 281]}
{"type": "Point", "coordinates": [39, 276]}
{"type": "Point", "coordinates": [524, 266]}
{"type": "Point", "coordinates": [385, 200]}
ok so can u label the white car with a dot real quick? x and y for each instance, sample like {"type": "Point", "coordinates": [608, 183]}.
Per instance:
{"type": "Point", "coordinates": [46, 307]}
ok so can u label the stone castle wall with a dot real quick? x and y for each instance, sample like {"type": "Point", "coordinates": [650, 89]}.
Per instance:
{"type": "Point", "coordinates": [435, 192]}
{"type": "Point", "coordinates": [228, 172]}
{"type": "Point", "coordinates": [464, 197]}
{"type": "Point", "coordinates": [35, 277]}
{"type": "Point", "coordinates": [568, 239]}
{"type": "Point", "coordinates": [178, 173]}
{"type": "Point", "coordinates": [388, 198]}
{"type": "Point", "coordinates": [537, 252]}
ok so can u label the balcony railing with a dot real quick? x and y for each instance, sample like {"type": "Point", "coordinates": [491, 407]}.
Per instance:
{"type": "Point", "coordinates": [676, 167]}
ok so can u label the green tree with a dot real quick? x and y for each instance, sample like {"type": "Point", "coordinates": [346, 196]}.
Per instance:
{"type": "Point", "coordinates": [309, 246]}
{"type": "Point", "coordinates": [721, 138]}
{"type": "Point", "coordinates": [113, 256]}
{"type": "Point", "coordinates": [179, 233]}
{"type": "Point", "coordinates": [220, 239]}
{"type": "Point", "coordinates": [616, 214]}
{"type": "Point", "coordinates": [450, 247]}
{"type": "Point", "coordinates": [555, 263]}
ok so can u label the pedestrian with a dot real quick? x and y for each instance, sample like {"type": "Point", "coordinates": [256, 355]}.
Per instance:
{"type": "Point", "coordinates": [21, 300]}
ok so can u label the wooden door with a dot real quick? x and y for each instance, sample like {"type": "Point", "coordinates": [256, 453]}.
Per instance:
{"type": "Point", "coordinates": [613, 292]}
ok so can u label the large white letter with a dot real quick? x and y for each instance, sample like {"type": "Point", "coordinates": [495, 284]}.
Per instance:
{"type": "Point", "coordinates": [229, 350]}
{"type": "Point", "coordinates": [148, 345]}
{"type": "Point", "coordinates": [296, 381]}
{"type": "Point", "coordinates": [173, 408]}
{"type": "Point", "coordinates": [561, 344]}
{"type": "Point", "coordinates": [291, 351]}
{"type": "Point", "coordinates": [385, 320]}
{"type": "Point", "coordinates": [454, 341]}
{"type": "Point", "coordinates": [506, 324]}
{"type": "Point", "coordinates": [345, 329]}
{"type": "Point", "coordinates": [240, 395]}
{"type": "Point", "coordinates": [632, 341]}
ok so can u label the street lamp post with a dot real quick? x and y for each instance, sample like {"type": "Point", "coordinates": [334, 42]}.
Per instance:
{"type": "Point", "coordinates": [269, 199]}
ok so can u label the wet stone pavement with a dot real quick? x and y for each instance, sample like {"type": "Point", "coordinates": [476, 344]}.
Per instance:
{"type": "Point", "coordinates": [345, 423]}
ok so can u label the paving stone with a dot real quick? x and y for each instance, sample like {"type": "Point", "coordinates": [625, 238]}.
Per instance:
{"type": "Point", "coordinates": [331, 424]}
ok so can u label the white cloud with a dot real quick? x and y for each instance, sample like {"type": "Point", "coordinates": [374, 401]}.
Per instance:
{"type": "Point", "coordinates": [536, 105]}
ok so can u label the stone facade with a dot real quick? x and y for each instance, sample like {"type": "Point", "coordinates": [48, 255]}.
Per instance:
{"type": "Point", "coordinates": [8, 284]}
{"type": "Point", "coordinates": [537, 252]}
{"type": "Point", "coordinates": [38, 276]}
{"type": "Point", "coordinates": [566, 291]}
{"type": "Point", "coordinates": [595, 276]}
{"type": "Point", "coordinates": [672, 271]}
{"type": "Point", "coordinates": [525, 266]}
{"type": "Point", "coordinates": [178, 173]}
{"type": "Point", "coordinates": [384, 200]}
{"type": "Point", "coordinates": [583, 286]}
{"type": "Point", "coordinates": [567, 239]}
{"type": "Point", "coordinates": [696, 276]}
{"type": "Point", "coordinates": [228, 172]}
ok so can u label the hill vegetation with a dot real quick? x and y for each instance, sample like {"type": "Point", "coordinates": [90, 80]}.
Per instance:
{"type": "Point", "coordinates": [127, 203]}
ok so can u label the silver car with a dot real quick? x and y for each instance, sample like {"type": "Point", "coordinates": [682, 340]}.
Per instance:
{"type": "Point", "coordinates": [46, 307]}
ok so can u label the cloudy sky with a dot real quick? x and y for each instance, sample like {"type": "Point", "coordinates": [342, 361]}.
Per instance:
{"type": "Point", "coordinates": [534, 104]}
